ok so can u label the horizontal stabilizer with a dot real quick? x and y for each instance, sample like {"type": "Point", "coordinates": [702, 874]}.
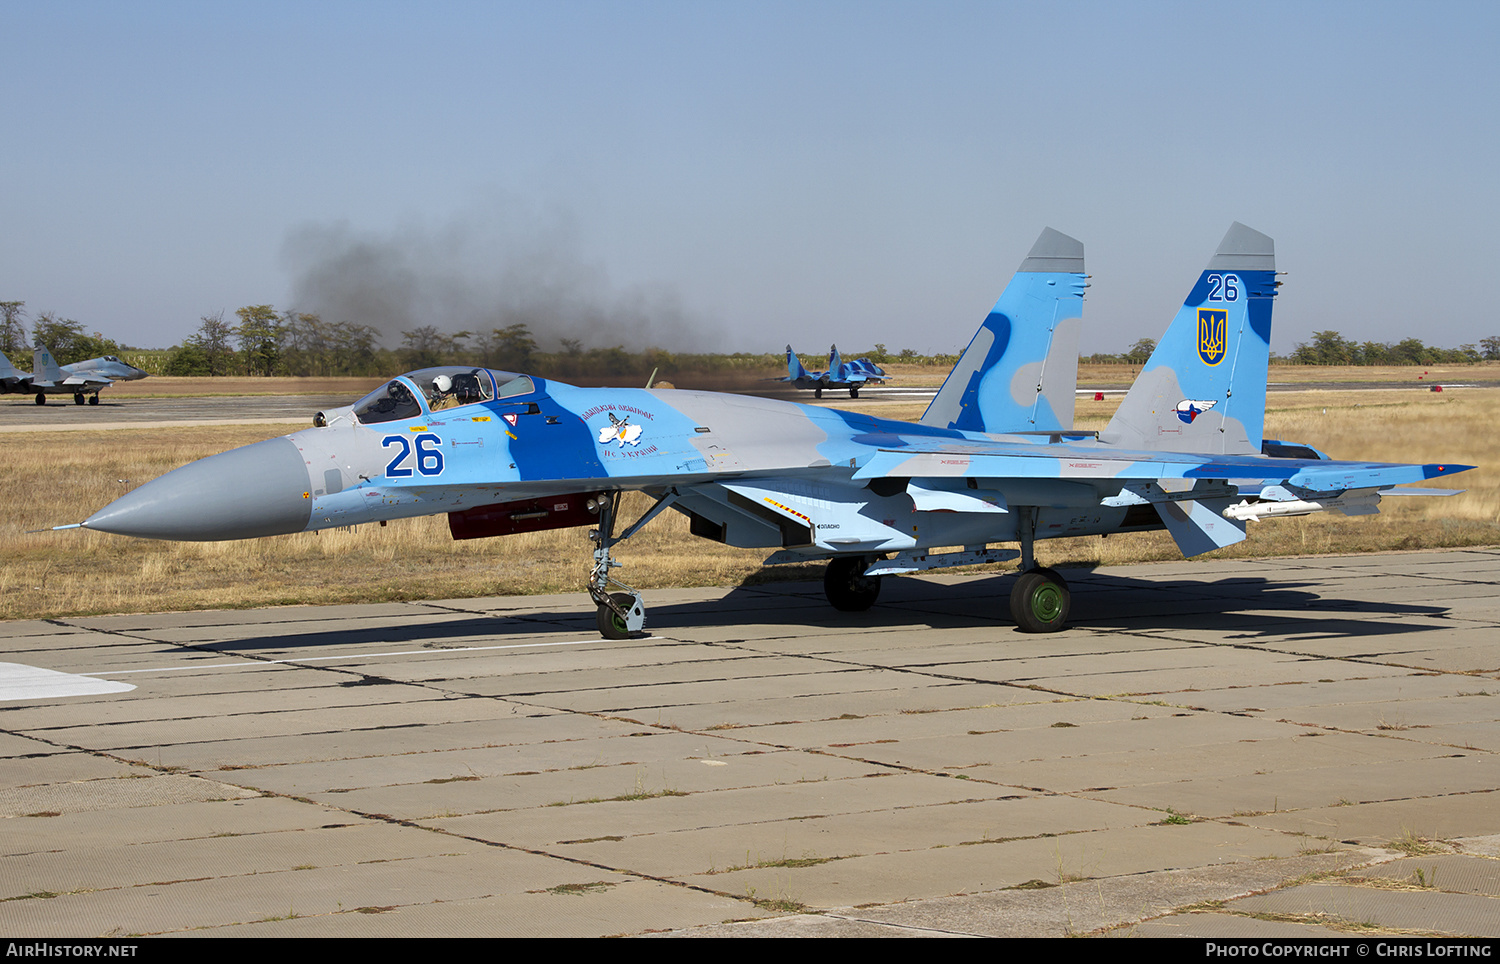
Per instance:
{"type": "Point", "coordinates": [10, 372]}
{"type": "Point", "coordinates": [1199, 527]}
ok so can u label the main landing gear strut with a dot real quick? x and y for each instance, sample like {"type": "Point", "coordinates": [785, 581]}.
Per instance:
{"type": "Point", "coordinates": [1039, 600]}
{"type": "Point", "coordinates": [620, 615]}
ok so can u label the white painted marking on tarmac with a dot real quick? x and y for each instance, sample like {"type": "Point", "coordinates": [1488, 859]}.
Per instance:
{"type": "Point", "coordinates": [21, 682]}
{"type": "Point", "coordinates": [341, 656]}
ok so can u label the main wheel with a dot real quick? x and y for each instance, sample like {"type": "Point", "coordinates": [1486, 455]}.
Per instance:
{"type": "Point", "coordinates": [847, 587]}
{"type": "Point", "coordinates": [41, 398]}
{"type": "Point", "coordinates": [853, 393]}
{"type": "Point", "coordinates": [1039, 601]}
{"type": "Point", "coordinates": [78, 398]}
{"type": "Point", "coordinates": [817, 393]}
{"type": "Point", "coordinates": [94, 399]}
{"type": "Point", "coordinates": [611, 625]}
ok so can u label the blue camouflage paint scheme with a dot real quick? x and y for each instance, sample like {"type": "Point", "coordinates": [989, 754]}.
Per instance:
{"type": "Point", "coordinates": [852, 375]}
{"type": "Point", "coordinates": [995, 462]}
{"type": "Point", "coordinates": [1020, 371]}
{"type": "Point", "coordinates": [1240, 283]}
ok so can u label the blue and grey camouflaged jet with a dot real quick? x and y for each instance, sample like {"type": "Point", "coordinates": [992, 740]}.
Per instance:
{"type": "Point", "coordinates": [841, 374]}
{"type": "Point", "coordinates": [993, 460]}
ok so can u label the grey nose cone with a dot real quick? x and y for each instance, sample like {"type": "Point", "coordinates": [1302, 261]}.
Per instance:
{"type": "Point", "coordinates": [258, 490]}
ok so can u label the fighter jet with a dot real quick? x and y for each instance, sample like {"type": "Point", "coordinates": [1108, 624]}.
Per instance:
{"type": "Point", "coordinates": [12, 379]}
{"type": "Point", "coordinates": [840, 374]}
{"type": "Point", "coordinates": [107, 366]}
{"type": "Point", "coordinates": [993, 461]}
{"type": "Point", "coordinates": [82, 380]}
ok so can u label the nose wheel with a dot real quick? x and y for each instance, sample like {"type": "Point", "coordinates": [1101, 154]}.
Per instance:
{"type": "Point", "coordinates": [624, 618]}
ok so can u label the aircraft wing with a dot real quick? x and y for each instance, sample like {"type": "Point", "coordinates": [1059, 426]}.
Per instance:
{"type": "Point", "coordinates": [86, 381]}
{"type": "Point", "coordinates": [1204, 501]}
{"type": "Point", "coordinates": [1020, 460]}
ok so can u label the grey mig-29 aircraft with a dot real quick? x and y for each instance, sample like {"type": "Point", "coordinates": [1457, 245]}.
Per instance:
{"type": "Point", "coordinates": [993, 460]}
{"type": "Point", "coordinates": [82, 380]}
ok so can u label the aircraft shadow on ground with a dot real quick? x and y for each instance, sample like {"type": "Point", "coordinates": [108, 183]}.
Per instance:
{"type": "Point", "coordinates": [1240, 608]}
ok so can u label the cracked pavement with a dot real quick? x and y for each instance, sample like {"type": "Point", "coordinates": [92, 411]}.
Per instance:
{"type": "Point", "coordinates": [1213, 749]}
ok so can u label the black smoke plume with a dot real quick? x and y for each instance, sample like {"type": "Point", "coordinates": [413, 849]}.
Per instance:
{"type": "Point", "coordinates": [479, 272]}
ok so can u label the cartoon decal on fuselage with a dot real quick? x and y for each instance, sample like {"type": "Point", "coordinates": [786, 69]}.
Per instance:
{"type": "Point", "coordinates": [620, 430]}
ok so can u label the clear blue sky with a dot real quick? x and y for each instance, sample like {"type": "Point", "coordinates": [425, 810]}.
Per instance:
{"type": "Point", "coordinates": [734, 176]}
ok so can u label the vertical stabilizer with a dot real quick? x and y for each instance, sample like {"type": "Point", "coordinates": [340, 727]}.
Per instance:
{"type": "Point", "coordinates": [44, 367]}
{"type": "Point", "coordinates": [1020, 372]}
{"type": "Point", "coordinates": [1204, 388]}
{"type": "Point", "coordinates": [8, 372]}
{"type": "Point", "coordinates": [794, 369]}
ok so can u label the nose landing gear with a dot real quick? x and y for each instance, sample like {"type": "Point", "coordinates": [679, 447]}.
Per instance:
{"type": "Point", "coordinates": [620, 615]}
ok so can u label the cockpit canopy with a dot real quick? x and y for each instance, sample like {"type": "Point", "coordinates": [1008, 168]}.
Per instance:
{"type": "Point", "coordinates": [434, 389]}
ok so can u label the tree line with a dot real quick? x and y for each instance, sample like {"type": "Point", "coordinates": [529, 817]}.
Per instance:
{"type": "Point", "coordinates": [270, 342]}
{"type": "Point", "coordinates": [266, 341]}
{"type": "Point", "coordinates": [67, 339]}
{"type": "Point", "coordinates": [1331, 348]}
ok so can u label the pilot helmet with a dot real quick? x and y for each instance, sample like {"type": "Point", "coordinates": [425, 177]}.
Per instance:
{"type": "Point", "coordinates": [442, 384]}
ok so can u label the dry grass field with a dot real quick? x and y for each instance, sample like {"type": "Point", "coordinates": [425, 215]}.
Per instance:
{"type": "Point", "coordinates": [55, 478]}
